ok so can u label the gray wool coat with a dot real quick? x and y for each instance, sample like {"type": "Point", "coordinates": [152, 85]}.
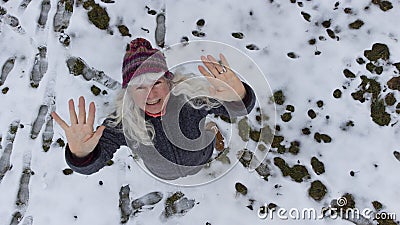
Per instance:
{"type": "Point", "coordinates": [170, 157]}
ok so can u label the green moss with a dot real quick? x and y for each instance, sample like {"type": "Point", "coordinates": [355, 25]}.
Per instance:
{"type": "Point", "coordinates": [356, 24]}
{"type": "Point", "coordinates": [67, 171]}
{"type": "Point", "coordinates": [99, 16]}
{"type": "Point", "coordinates": [374, 88]}
{"type": "Point", "coordinates": [95, 90]}
{"type": "Point", "coordinates": [124, 30]}
{"type": "Point", "coordinates": [390, 99]}
{"type": "Point", "coordinates": [281, 164]}
{"type": "Point", "coordinates": [370, 67]}
{"type": "Point", "coordinates": [244, 129]}
{"type": "Point", "coordinates": [318, 166]}
{"type": "Point", "coordinates": [255, 135]}
{"type": "Point", "coordinates": [298, 172]}
{"type": "Point", "coordinates": [294, 147]}
{"type": "Point", "coordinates": [337, 93]}
{"type": "Point", "coordinates": [394, 83]}
{"type": "Point", "coordinates": [78, 67]}
{"type": "Point", "coordinates": [69, 5]}
{"type": "Point", "coordinates": [240, 188]}
{"type": "Point", "coordinates": [276, 142]}
{"type": "Point", "coordinates": [377, 205]}
{"type": "Point", "coordinates": [378, 113]}
{"type": "Point", "coordinates": [322, 137]}
{"type": "Point", "coordinates": [317, 190]}
{"type": "Point", "coordinates": [279, 97]}
{"type": "Point", "coordinates": [378, 51]}
{"type": "Point", "coordinates": [286, 117]}
{"type": "Point", "coordinates": [379, 70]}
{"type": "Point", "coordinates": [347, 73]}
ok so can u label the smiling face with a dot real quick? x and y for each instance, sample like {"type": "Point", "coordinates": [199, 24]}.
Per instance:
{"type": "Point", "coordinates": [151, 97]}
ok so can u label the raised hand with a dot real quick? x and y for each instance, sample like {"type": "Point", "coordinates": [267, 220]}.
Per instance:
{"type": "Point", "coordinates": [80, 136]}
{"type": "Point", "coordinates": [225, 85]}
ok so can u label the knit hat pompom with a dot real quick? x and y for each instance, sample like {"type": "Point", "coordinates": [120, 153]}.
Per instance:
{"type": "Point", "coordinates": [142, 58]}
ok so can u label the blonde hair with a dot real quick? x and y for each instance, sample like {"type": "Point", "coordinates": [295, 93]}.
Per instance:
{"type": "Point", "coordinates": [195, 89]}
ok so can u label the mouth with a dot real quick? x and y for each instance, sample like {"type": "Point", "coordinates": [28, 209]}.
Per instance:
{"type": "Point", "coordinates": [153, 102]}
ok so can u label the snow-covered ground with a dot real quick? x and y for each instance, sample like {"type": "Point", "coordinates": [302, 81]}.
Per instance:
{"type": "Point", "coordinates": [332, 67]}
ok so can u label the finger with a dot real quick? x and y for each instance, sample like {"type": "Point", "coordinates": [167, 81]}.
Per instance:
{"type": "Point", "coordinates": [60, 121]}
{"type": "Point", "coordinates": [82, 111]}
{"type": "Point", "coordinates": [72, 113]}
{"type": "Point", "coordinates": [91, 115]}
{"type": "Point", "coordinates": [210, 65]}
{"type": "Point", "coordinates": [224, 61]}
{"type": "Point", "coordinates": [216, 64]}
{"type": "Point", "coordinates": [96, 136]}
{"type": "Point", "coordinates": [204, 71]}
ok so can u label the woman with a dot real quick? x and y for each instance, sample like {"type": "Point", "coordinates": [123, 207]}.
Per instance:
{"type": "Point", "coordinates": [159, 115]}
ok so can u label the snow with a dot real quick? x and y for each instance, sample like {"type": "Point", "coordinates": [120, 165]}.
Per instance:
{"type": "Point", "coordinates": [276, 28]}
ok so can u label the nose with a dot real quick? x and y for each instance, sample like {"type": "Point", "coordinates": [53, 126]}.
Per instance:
{"type": "Point", "coordinates": [152, 93]}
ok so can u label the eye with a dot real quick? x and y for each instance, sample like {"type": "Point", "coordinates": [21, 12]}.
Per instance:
{"type": "Point", "coordinates": [157, 82]}
{"type": "Point", "coordinates": [139, 88]}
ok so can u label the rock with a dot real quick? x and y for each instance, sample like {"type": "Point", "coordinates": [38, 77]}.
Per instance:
{"type": "Point", "coordinates": [252, 47]}
{"type": "Point", "coordinates": [311, 113]}
{"type": "Point", "coordinates": [238, 35]}
{"type": "Point", "coordinates": [390, 99]}
{"type": "Point", "coordinates": [95, 90]}
{"type": "Point", "coordinates": [68, 171]}
{"type": "Point", "coordinates": [306, 16]}
{"type": "Point", "coordinates": [279, 97]}
{"type": "Point", "coordinates": [200, 22]}
{"type": "Point", "coordinates": [377, 205]}
{"type": "Point", "coordinates": [286, 117]}
{"type": "Point", "coordinates": [318, 166]}
{"type": "Point", "coordinates": [394, 83]}
{"type": "Point", "coordinates": [396, 155]}
{"type": "Point", "coordinates": [290, 108]}
{"type": "Point", "coordinates": [298, 172]}
{"type": "Point", "coordinates": [347, 73]}
{"type": "Point", "coordinates": [322, 137]}
{"type": "Point", "coordinates": [378, 51]}
{"type": "Point", "coordinates": [317, 190]}
{"type": "Point", "coordinates": [124, 30]}
{"type": "Point", "coordinates": [240, 188]}
{"type": "Point", "coordinates": [378, 113]}
{"type": "Point", "coordinates": [337, 93]}
{"type": "Point", "coordinates": [292, 55]}
{"type": "Point", "coordinates": [197, 33]}
{"type": "Point", "coordinates": [356, 24]}
{"type": "Point", "coordinates": [294, 147]}
{"type": "Point", "coordinates": [98, 15]}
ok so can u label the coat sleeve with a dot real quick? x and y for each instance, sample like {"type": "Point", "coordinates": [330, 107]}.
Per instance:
{"type": "Point", "coordinates": [110, 141]}
{"type": "Point", "coordinates": [238, 108]}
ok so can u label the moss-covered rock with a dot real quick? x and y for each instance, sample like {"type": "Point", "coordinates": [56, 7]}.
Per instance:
{"type": "Point", "coordinates": [286, 117]}
{"type": "Point", "coordinates": [322, 137]}
{"type": "Point", "coordinates": [244, 129]}
{"type": "Point", "coordinates": [311, 113]}
{"type": "Point", "coordinates": [347, 73]}
{"type": "Point", "coordinates": [394, 83]}
{"type": "Point", "coordinates": [97, 15]}
{"type": "Point", "coordinates": [240, 188]}
{"type": "Point", "coordinates": [378, 112]}
{"type": "Point", "coordinates": [377, 205]}
{"type": "Point", "coordinates": [95, 90]}
{"type": "Point", "coordinates": [390, 99]}
{"type": "Point", "coordinates": [356, 24]}
{"type": "Point", "coordinates": [278, 97]}
{"type": "Point", "coordinates": [318, 166]}
{"type": "Point", "coordinates": [60, 142]}
{"type": "Point", "coordinates": [317, 190]}
{"type": "Point", "coordinates": [378, 51]}
{"type": "Point", "coordinates": [385, 5]}
{"type": "Point", "coordinates": [200, 22]}
{"type": "Point", "coordinates": [5, 90]}
{"type": "Point", "coordinates": [67, 171]}
{"type": "Point", "coordinates": [124, 30]}
{"type": "Point", "coordinates": [294, 147]}
{"type": "Point", "coordinates": [298, 172]}
{"type": "Point", "coordinates": [306, 131]}
{"type": "Point", "coordinates": [290, 108]}
{"type": "Point", "coordinates": [337, 93]}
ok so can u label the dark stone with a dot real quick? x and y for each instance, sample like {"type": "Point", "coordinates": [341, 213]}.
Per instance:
{"type": "Point", "coordinates": [326, 23]}
{"type": "Point", "coordinates": [99, 16]}
{"type": "Point", "coordinates": [378, 51]}
{"type": "Point", "coordinates": [240, 188]}
{"type": "Point", "coordinates": [286, 117]}
{"type": "Point", "coordinates": [292, 55]}
{"type": "Point", "coordinates": [360, 61]}
{"type": "Point", "coordinates": [377, 205]}
{"type": "Point", "coordinates": [198, 33]}
{"type": "Point", "coordinates": [331, 34]}
{"type": "Point", "coordinates": [318, 166]}
{"type": "Point", "coordinates": [5, 90]}
{"type": "Point", "coordinates": [347, 73]}
{"type": "Point", "coordinates": [385, 5]}
{"type": "Point", "coordinates": [390, 99]}
{"type": "Point", "coordinates": [337, 93]}
{"type": "Point", "coordinates": [322, 137]}
{"type": "Point", "coordinates": [95, 90]}
{"type": "Point", "coordinates": [312, 41]}
{"type": "Point", "coordinates": [378, 113]}
{"type": "Point", "coordinates": [238, 35]}
{"type": "Point", "coordinates": [124, 30]}
{"type": "Point", "coordinates": [294, 147]}
{"type": "Point", "coordinates": [60, 142]}
{"type": "Point", "coordinates": [320, 103]}
{"type": "Point", "coordinates": [306, 131]}
{"type": "Point", "coordinates": [306, 16]}
{"type": "Point", "coordinates": [252, 47]}
{"type": "Point", "coordinates": [200, 22]}
{"type": "Point", "coordinates": [67, 171]}
{"type": "Point", "coordinates": [317, 190]}
{"type": "Point", "coordinates": [394, 83]}
{"type": "Point", "coordinates": [290, 108]}
{"type": "Point", "coordinates": [348, 11]}
{"type": "Point", "coordinates": [356, 24]}
{"type": "Point", "coordinates": [311, 114]}
{"type": "Point", "coordinates": [279, 97]}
